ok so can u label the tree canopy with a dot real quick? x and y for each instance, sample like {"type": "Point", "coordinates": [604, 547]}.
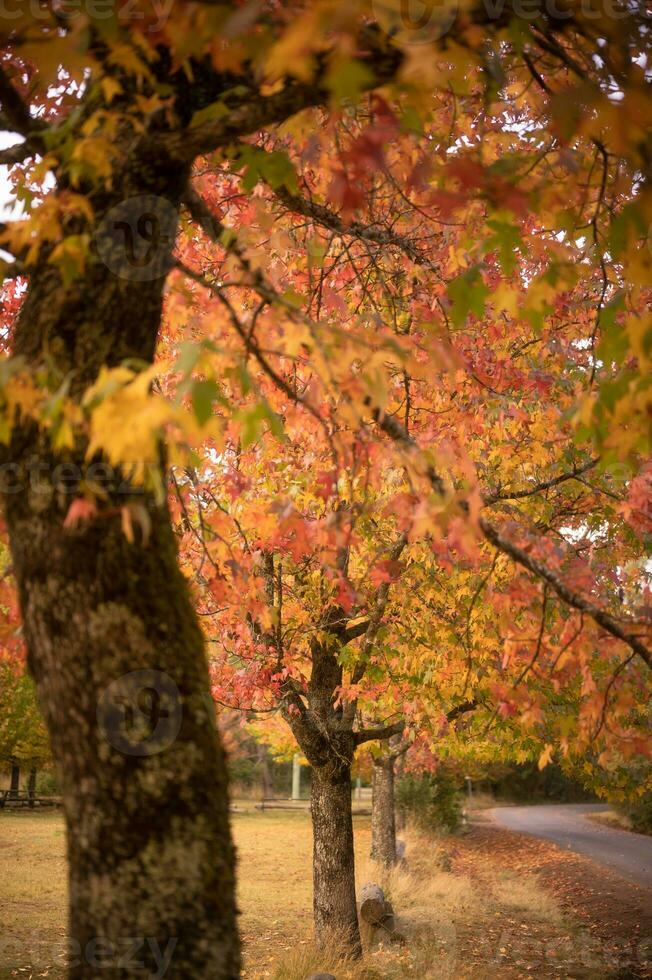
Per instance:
{"type": "Point", "coordinates": [354, 308]}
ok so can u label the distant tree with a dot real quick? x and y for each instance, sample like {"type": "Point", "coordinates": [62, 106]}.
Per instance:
{"type": "Point", "coordinates": [24, 742]}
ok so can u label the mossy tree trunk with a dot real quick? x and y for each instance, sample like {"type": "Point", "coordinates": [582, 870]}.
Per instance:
{"type": "Point", "coordinates": [116, 650]}
{"type": "Point", "coordinates": [108, 623]}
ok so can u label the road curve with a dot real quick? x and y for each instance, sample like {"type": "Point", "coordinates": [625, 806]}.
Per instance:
{"type": "Point", "coordinates": [568, 826]}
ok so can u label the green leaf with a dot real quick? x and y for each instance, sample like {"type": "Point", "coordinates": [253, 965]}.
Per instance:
{"type": "Point", "coordinates": [468, 294]}
{"type": "Point", "coordinates": [293, 298]}
{"type": "Point", "coordinates": [204, 393]}
{"type": "Point", "coordinates": [347, 79]}
{"type": "Point", "coordinates": [188, 356]}
{"type": "Point", "coordinates": [277, 169]}
{"type": "Point", "coordinates": [507, 241]}
{"type": "Point", "coordinates": [274, 168]}
{"type": "Point", "coordinates": [216, 110]}
{"type": "Point", "coordinates": [252, 420]}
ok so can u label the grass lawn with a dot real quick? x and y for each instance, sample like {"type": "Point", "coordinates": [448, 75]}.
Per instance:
{"type": "Point", "coordinates": [463, 912]}
{"type": "Point", "coordinates": [275, 889]}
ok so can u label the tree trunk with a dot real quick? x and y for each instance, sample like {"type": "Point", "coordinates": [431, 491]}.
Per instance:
{"type": "Point", "coordinates": [14, 785]}
{"type": "Point", "coordinates": [113, 642]}
{"type": "Point", "coordinates": [333, 858]}
{"type": "Point", "coordinates": [383, 825]}
{"type": "Point", "coordinates": [399, 813]}
{"type": "Point", "coordinates": [31, 786]}
{"type": "Point", "coordinates": [265, 778]}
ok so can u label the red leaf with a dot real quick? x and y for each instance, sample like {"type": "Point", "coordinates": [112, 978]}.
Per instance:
{"type": "Point", "coordinates": [80, 511]}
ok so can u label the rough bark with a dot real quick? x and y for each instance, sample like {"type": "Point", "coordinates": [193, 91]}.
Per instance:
{"type": "Point", "coordinates": [146, 806]}
{"type": "Point", "coordinates": [334, 899]}
{"type": "Point", "coordinates": [383, 824]}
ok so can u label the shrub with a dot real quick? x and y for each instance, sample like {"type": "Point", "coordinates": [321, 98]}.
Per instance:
{"type": "Point", "coordinates": [46, 783]}
{"type": "Point", "coordinates": [432, 800]}
{"type": "Point", "coordinates": [640, 814]}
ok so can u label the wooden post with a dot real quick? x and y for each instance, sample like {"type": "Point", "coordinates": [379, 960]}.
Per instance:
{"type": "Point", "coordinates": [296, 776]}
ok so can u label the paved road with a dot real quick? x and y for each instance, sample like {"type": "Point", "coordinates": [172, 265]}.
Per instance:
{"type": "Point", "coordinates": [568, 826]}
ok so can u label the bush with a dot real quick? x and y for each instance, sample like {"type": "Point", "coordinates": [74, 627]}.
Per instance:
{"type": "Point", "coordinates": [46, 783]}
{"type": "Point", "coordinates": [242, 772]}
{"type": "Point", "coordinates": [432, 800]}
{"type": "Point", "coordinates": [640, 814]}
{"type": "Point", "coordinates": [526, 783]}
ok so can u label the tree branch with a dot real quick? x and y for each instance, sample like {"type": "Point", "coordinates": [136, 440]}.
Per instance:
{"type": "Point", "coordinates": [400, 748]}
{"type": "Point", "coordinates": [600, 616]}
{"type": "Point", "coordinates": [18, 152]}
{"type": "Point", "coordinates": [392, 427]}
{"type": "Point", "coordinates": [493, 498]}
{"type": "Point", "coordinates": [370, 734]}
{"type": "Point", "coordinates": [461, 709]}
{"type": "Point", "coordinates": [373, 624]}
{"type": "Point", "coordinates": [356, 229]}
{"type": "Point", "coordinates": [252, 111]}
{"type": "Point", "coordinates": [16, 111]}
{"type": "Point", "coordinates": [356, 630]}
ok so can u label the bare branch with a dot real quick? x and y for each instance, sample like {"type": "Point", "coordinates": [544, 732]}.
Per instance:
{"type": "Point", "coordinates": [493, 498]}
{"type": "Point", "coordinates": [356, 229]}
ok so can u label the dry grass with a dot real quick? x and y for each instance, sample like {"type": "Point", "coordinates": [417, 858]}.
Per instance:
{"type": "Point", "coordinates": [428, 901]}
{"type": "Point", "coordinates": [479, 801]}
{"type": "Point", "coordinates": [611, 818]}
{"type": "Point", "coordinates": [420, 885]}
{"type": "Point", "coordinates": [444, 916]}
{"type": "Point", "coordinates": [525, 895]}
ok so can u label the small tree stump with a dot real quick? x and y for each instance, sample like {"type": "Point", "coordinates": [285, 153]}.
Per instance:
{"type": "Point", "coordinates": [400, 850]}
{"type": "Point", "coordinates": [378, 914]}
{"type": "Point", "coordinates": [372, 904]}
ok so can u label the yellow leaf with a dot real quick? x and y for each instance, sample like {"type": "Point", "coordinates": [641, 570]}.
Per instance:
{"type": "Point", "coordinates": [546, 756]}
{"type": "Point", "coordinates": [110, 88]}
